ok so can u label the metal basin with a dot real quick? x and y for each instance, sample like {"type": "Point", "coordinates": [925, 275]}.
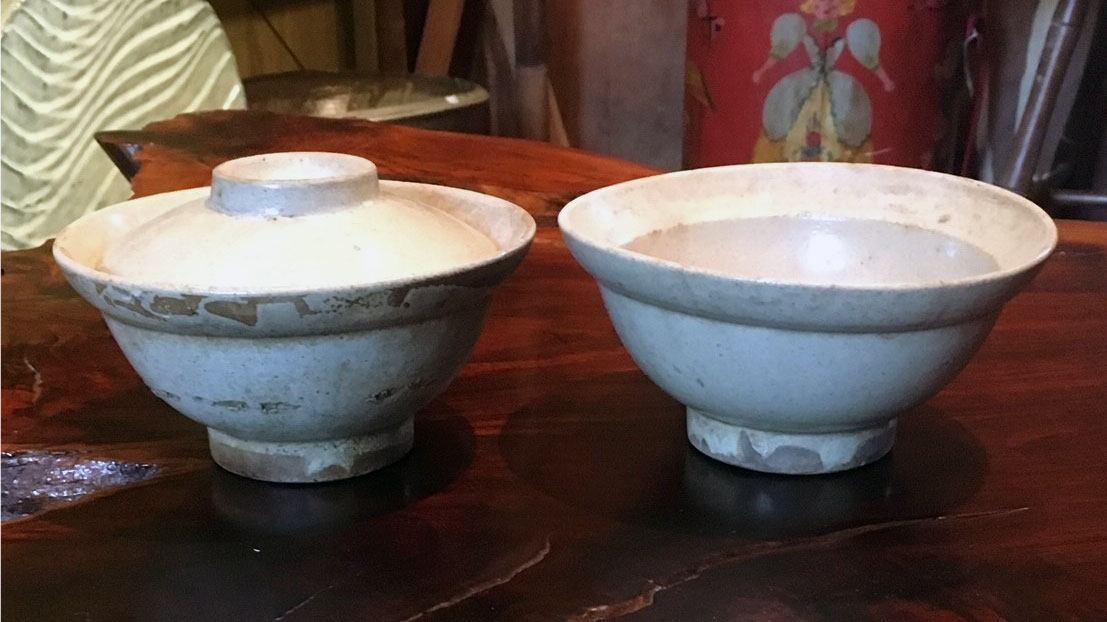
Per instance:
{"type": "Point", "coordinates": [435, 103]}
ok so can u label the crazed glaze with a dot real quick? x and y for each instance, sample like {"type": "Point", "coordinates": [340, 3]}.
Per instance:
{"type": "Point", "coordinates": [294, 220]}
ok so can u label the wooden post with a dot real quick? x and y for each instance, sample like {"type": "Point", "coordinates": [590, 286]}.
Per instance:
{"type": "Point", "coordinates": [530, 69]}
{"type": "Point", "coordinates": [436, 48]}
{"type": "Point", "coordinates": [391, 37]}
{"type": "Point", "coordinates": [366, 57]}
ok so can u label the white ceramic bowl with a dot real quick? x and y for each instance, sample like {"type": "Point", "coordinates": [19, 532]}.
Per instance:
{"type": "Point", "coordinates": [798, 308]}
{"type": "Point", "coordinates": [296, 383]}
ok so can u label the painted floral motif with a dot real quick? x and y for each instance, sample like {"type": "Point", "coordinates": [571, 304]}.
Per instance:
{"type": "Point", "coordinates": [819, 113]}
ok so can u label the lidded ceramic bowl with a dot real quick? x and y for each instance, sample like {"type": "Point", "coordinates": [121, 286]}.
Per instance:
{"type": "Point", "coordinates": [299, 308]}
{"type": "Point", "coordinates": [798, 309]}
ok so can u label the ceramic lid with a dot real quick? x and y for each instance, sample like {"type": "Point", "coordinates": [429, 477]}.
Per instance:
{"type": "Point", "coordinates": [300, 220]}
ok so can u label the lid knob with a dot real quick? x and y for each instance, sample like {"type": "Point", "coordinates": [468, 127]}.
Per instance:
{"type": "Point", "coordinates": [292, 184]}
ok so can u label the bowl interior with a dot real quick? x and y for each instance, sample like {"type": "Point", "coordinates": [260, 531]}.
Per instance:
{"type": "Point", "coordinates": [818, 224]}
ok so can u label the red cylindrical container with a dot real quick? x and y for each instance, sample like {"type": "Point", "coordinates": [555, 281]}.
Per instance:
{"type": "Point", "coordinates": [823, 80]}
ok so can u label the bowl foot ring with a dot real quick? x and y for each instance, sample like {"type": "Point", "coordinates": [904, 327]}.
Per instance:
{"type": "Point", "coordinates": [314, 461]}
{"type": "Point", "coordinates": [783, 452]}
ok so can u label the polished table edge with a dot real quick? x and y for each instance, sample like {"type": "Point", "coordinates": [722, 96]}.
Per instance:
{"type": "Point", "coordinates": [180, 152]}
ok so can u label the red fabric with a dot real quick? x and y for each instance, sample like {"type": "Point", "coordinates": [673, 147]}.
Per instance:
{"type": "Point", "coordinates": [906, 121]}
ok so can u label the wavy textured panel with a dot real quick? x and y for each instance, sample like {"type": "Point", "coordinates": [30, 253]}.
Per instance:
{"type": "Point", "coordinates": [69, 68]}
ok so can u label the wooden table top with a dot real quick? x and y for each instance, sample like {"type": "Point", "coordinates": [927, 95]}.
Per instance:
{"type": "Point", "coordinates": [552, 480]}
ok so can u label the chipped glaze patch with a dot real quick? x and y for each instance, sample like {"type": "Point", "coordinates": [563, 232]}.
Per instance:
{"type": "Point", "coordinates": [246, 311]}
{"type": "Point", "coordinates": [168, 305]}
{"type": "Point", "coordinates": [241, 312]}
{"type": "Point", "coordinates": [126, 300]}
{"type": "Point", "coordinates": [312, 461]}
{"type": "Point", "coordinates": [776, 452]}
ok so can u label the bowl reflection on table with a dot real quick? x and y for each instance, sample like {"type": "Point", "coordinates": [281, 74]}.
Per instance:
{"type": "Point", "coordinates": [772, 506]}
{"type": "Point", "coordinates": [445, 449]}
{"type": "Point", "coordinates": [629, 463]}
{"type": "Point", "coordinates": [797, 309]}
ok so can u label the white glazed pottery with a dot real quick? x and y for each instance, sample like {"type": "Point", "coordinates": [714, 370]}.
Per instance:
{"type": "Point", "coordinates": [795, 348]}
{"type": "Point", "coordinates": [298, 308]}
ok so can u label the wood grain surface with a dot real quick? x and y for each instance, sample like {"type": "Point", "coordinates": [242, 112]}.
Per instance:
{"type": "Point", "coordinates": [537, 176]}
{"type": "Point", "coordinates": [552, 480]}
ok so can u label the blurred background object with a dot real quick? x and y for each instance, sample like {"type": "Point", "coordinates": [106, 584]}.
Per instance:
{"type": "Point", "coordinates": [1044, 133]}
{"type": "Point", "coordinates": [71, 67]}
{"type": "Point", "coordinates": [940, 84]}
{"type": "Point", "coordinates": [825, 80]}
{"type": "Point", "coordinates": [943, 84]}
{"type": "Point", "coordinates": [602, 75]}
{"type": "Point", "coordinates": [430, 102]}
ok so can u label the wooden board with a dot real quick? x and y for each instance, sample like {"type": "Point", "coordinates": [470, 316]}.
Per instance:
{"type": "Point", "coordinates": [436, 49]}
{"type": "Point", "coordinates": [618, 70]}
{"type": "Point", "coordinates": [310, 28]}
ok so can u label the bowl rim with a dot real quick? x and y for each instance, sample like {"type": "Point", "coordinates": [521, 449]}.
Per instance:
{"type": "Point", "coordinates": [580, 203]}
{"type": "Point", "coordinates": [519, 241]}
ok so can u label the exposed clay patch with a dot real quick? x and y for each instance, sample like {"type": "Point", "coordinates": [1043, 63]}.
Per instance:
{"type": "Point", "coordinates": [301, 305]}
{"type": "Point", "coordinates": [783, 459]}
{"type": "Point", "coordinates": [392, 298]}
{"type": "Point", "coordinates": [795, 459]}
{"type": "Point", "coordinates": [268, 408]}
{"type": "Point", "coordinates": [231, 404]}
{"type": "Point", "coordinates": [397, 297]}
{"type": "Point", "coordinates": [167, 305]}
{"type": "Point", "coordinates": [246, 312]}
{"type": "Point", "coordinates": [275, 408]}
{"type": "Point", "coordinates": [480, 278]}
{"type": "Point", "coordinates": [279, 467]}
{"type": "Point", "coordinates": [381, 396]}
{"type": "Point", "coordinates": [487, 277]}
{"type": "Point", "coordinates": [871, 450]}
{"type": "Point", "coordinates": [367, 301]}
{"type": "Point", "coordinates": [241, 312]}
{"type": "Point", "coordinates": [390, 392]}
{"type": "Point", "coordinates": [132, 305]}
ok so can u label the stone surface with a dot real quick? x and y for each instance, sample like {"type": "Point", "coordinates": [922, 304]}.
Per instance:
{"type": "Point", "coordinates": [37, 481]}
